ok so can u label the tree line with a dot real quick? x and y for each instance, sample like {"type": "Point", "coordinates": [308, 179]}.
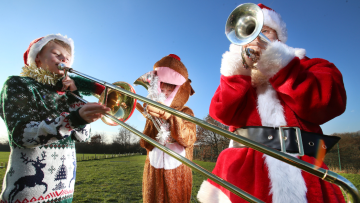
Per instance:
{"type": "Point", "coordinates": [345, 155]}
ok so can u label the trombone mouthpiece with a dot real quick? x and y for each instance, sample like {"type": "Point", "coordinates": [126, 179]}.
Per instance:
{"type": "Point", "coordinates": [61, 66]}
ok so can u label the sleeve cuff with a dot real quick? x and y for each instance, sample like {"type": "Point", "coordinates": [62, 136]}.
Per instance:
{"type": "Point", "coordinates": [76, 120]}
{"type": "Point", "coordinates": [71, 99]}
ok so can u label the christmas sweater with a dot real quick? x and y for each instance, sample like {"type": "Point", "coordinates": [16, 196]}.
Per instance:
{"type": "Point", "coordinates": [43, 127]}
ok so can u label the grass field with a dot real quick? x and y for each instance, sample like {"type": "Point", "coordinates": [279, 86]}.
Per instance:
{"type": "Point", "coordinates": [120, 179]}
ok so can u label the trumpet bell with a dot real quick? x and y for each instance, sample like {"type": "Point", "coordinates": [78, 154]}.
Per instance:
{"type": "Point", "coordinates": [244, 24]}
{"type": "Point", "coordinates": [121, 105]}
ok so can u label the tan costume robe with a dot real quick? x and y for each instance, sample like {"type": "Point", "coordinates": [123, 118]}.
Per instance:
{"type": "Point", "coordinates": [165, 179]}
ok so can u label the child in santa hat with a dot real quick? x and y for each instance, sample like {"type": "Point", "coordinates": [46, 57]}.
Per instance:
{"type": "Point", "coordinates": [166, 179]}
{"type": "Point", "coordinates": [280, 86]}
{"type": "Point", "coordinates": [44, 123]}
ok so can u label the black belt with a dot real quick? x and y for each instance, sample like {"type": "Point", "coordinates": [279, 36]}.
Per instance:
{"type": "Point", "coordinates": [271, 137]}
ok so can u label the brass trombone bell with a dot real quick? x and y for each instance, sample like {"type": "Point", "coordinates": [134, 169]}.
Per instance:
{"type": "Point", "coordinates": [121, 105]}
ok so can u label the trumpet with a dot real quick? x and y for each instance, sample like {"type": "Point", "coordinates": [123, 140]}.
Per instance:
{"type": "Point", "coordinates": [327, 175]}
{"type": "Point", "coordinates": [244, 25]}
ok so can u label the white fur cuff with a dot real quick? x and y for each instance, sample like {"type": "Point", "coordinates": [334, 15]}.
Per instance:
{"type": "Point", "coordinates": [276, 56]}
{"type": "Point", "coordinates": [211, 194]}
{"type": "Point", "coordinates": [231, 64]}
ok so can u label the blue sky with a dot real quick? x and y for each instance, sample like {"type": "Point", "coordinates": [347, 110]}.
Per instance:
{"type": "Point", "coordinates": [121, 40]}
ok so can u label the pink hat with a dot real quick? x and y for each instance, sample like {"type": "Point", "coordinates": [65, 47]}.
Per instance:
{"type": "Point", "coordinates": [273, 20]}
{"type": "Point", "coordinates": [36, 46]}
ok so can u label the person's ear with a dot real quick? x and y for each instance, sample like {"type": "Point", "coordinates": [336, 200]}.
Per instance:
{"type": "Point", "coordinates": [38, 61]}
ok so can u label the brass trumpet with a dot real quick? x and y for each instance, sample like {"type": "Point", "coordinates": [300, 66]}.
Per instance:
{"type": "Point", "coordinates": [327, 175]}
{"type": "Point", "coordinates": [244, 25]}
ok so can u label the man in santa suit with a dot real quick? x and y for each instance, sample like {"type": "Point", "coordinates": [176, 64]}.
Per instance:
{"type": "Point", "coordinates": [280, 86]}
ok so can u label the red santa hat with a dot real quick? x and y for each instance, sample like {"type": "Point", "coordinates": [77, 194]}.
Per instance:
{"type": "Point", "coordinates": [36, 46]}
{"type": "Point", "coordinates": [273, 20]}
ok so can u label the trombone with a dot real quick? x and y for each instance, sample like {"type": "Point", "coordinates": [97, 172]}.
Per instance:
{"type": "Point", "coordinates": [327, 175]}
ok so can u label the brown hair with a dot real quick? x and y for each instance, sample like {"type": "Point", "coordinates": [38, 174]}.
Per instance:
{"type": "Point", "coordinates": [61, 43]}
{"type": "Point", "coordinates": [167, 85]}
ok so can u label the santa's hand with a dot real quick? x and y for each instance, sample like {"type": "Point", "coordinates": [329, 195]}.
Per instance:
{"type": "Point", "coordinates": [254, 51]}
{"type": "Point", "coordinates": [153, 111]}
{"type": "Point", "coordinates": [232, 63]}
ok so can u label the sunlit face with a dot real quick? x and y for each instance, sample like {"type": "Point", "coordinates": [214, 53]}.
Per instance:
{"type": "Point", "coordinates": [51, 55]}
{"type": "Point", "coordinates": [167, 91]}
{"type": "Point", "coordinates": [270, 33]}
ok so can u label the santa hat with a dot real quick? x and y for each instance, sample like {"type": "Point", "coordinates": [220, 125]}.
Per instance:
{"type": "Point", "coordinates": [274, 21]}
{"type": "Point", "coordinates": [36, 46]}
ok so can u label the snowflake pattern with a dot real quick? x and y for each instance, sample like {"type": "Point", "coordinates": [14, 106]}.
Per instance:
{"type": "Point", "coordinates": [54, 155]}
{"type": "Point", "coordinates": [51, 169]}
{"type": "Point", "coordinates": [11, 171]}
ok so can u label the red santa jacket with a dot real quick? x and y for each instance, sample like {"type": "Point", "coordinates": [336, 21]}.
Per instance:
{"type": "Point", "coordinates": [300, 92]}
{"type": "Point", "coordinates": [288, 89]}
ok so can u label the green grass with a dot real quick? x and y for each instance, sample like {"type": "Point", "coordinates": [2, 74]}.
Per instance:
{"type": "Point", "coordinates": [353, 178]}
{"type": "Point", "coordinates": [120, 179]}
{"type": "Point", "coordinates": [80, 157]}
{"type": "Point", "coordinates": [4, 157]}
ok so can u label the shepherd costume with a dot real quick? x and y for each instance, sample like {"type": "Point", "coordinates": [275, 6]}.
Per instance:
{"type": "Point", "coordinates": [166, 179]}
{"type": "Point", "coordinates": [287, 89]}
{"type": "Point", "coordinates": [43, 125]}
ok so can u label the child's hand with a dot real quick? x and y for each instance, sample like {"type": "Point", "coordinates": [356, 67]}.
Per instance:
{"type": "Point", "coordinates": [68, 84]}
{"type": "Point", "coordinates": [157, 112]}
{"type": "Point", "coordinates": [140, 109]}
{"type": "Point", "coordinates": [91, 112]}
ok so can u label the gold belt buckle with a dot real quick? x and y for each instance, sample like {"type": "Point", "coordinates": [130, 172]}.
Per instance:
{"type": "Point", "coordinates": [298, 138]}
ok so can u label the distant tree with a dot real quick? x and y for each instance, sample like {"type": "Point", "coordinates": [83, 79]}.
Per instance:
{"type": "Point", "coordinates": [4, 146]}
{"type": "Point", "coordinates": [209, 144]}
{"type": "Point", "coordinates": [349, 152]}
{"type": "Point", "coordinates": [125, 137]}
{"type": "Point", "coordinates": [96, 139]}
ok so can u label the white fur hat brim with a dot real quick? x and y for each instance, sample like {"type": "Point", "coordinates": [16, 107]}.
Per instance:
{"type": "Point", "coordinates": [36, 48]}
{"type": "Point", "coordinates": [274, 21]}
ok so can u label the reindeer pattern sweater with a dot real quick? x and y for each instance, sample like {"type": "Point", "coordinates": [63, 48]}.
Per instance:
{"type": "Point", "coordinates": [42, 128]}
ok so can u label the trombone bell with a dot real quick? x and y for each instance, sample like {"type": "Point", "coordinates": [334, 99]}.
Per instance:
{"type": "Point", "coordinates": [121, 105]}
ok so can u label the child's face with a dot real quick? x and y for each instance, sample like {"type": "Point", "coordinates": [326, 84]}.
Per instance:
{"type": "Point", "coordinates": [51, 55]}
{"type": "Point", "coordinates": [166, 90]}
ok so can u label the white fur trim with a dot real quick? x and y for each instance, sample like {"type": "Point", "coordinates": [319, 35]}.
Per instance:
{"type": "Point", "coordinates": [286, 181]}
{"type": "Point", "coordinates": [269, 107]}
{"type": "Point", "coordinates": [159, 159]}
{"type": "Point", "coordinates": [36, 48]}
{"type": "Point", "coordinates": [300, 53]}
{"type": "Point", "coordinates": [208, 193]}
{"type": "Point", "coordinates": [273, 20]}
{"type": "Point", "coordinates": [276, 56]}
{"type": "Point", "coordinates": [231, 63]}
